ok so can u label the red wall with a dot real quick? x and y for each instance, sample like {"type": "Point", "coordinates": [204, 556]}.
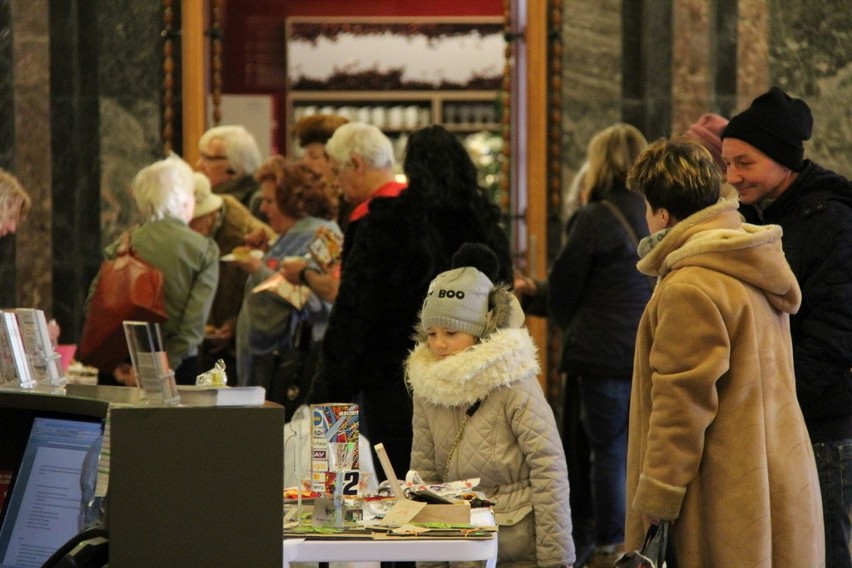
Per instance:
{"type": "Point", "coordinates": [253, 36]}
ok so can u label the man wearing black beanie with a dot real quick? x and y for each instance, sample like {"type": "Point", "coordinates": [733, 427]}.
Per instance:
{"type": "Point", "coordinates": [763, 148]}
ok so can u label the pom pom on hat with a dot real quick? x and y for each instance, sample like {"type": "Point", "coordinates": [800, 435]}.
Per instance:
{"type": "Point", "coordinates": [707, 131]}
{"type": "Point", "coordinates": [777, 125]}
{"type": "Point", "coordinates": [478, 256]}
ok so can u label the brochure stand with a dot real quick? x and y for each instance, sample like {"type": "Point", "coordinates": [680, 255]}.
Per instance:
{"type": "Point", "coordinates": [151, 363]}
{"type": "Point", "coordinates": [45, 363]}
{"type": "Point", "coordinates": [15, 369]}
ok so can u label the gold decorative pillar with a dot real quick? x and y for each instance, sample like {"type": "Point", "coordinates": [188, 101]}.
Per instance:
{"type": "Point", "coordinates": [216, 63]}
{"type": "Point", "coordinates": [554, 178]}
{"type": "Point", "coordinates": [169, 35]}
{"type": "Point", "coordinates": [194, 74]}
{"type": "Point", "coordinates": [537, 159]}
{"type": "Point", "coordinates": [506, 109]}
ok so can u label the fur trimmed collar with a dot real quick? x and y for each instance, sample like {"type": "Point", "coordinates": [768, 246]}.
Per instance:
{"type": "Point", "coordinates": [506, 356]}
{"type": "Point", "coordinates": [715, 238]}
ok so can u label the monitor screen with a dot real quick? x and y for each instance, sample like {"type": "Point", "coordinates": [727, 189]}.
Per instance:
{"type": "Point", "coordinates": [43, 504]}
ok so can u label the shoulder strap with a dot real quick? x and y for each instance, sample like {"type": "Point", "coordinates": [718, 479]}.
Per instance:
{"type": "Point", "coordinates": [631, 232]}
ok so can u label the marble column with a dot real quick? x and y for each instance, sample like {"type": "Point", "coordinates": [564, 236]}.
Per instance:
{"type": "Point", "coordinates": [32, 166]}
{"type": "Point", "coordinates": [7, 148]}
{"type": "Point", "coordinates": [83, 79]}
{"type": "Point", "coordinates": [106, 110]}
{"type": "Point", "coordinates": [24, 150]}
{"type": "Point", "coordinates": [752, 51]}
{"type": "Point", "coordinates": [592, 75]}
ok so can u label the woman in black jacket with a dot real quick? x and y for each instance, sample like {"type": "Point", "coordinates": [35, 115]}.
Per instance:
{"type": "Point", "coordinates": [596, 295]}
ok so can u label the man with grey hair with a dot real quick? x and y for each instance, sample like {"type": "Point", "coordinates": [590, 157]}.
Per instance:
{"type": "Point", "coordinates": [229, 156]}
{"type": "Point", "coordinates": [362, 161]}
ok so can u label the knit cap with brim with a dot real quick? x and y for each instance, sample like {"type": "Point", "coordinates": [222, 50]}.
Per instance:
{"type": "Point", "coordinates": [777, 125]}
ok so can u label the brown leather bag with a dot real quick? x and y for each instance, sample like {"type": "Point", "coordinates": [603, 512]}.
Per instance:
{"type": "Point", "coordinates": [128, 289]}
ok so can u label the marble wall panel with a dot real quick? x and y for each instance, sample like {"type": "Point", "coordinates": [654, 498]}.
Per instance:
{"type": "Point", "coordinates": [7, 106]}
{"type": "Point", "coordinates": [591, 87]}
{"type": "Point", "coordinates": [74, 156]}
{"type": "Point", "coordinates": [107, 76]}
{"type": "Point", "coordinates": [692, 57]}
{"type": "Point", "coordinates": [752, 51]}
{"type": "Point", "coordinates": [32, 150]}
{"type": "Point", "coordinates": [7, 147]}
{"type": "Point", "coordinates": [130, 68]}
{"type": "Point", "coordinates": [810, 56]}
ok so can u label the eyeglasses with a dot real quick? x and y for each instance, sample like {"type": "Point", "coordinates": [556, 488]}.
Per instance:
{"type": "Point", "coordinates": [209, 158]}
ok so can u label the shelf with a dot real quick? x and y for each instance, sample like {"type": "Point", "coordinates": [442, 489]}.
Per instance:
{"type": "Point", "coordinates": [472, 127]}
{"type": "Point", "coordinates": [383, 96]}
{"type": "Point", "coordinates": [398, 113]}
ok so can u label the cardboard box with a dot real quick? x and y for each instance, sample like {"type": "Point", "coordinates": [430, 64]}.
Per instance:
{"type": "Point", "coordinates": [406, 511]}
{"type": "Point", "coordinates": [456, 514]}
{"type": "Point", "coordinates": [334, 435]}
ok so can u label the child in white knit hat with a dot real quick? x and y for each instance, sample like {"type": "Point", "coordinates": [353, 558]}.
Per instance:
{"type": "Point", "coordinates": [479, 411]}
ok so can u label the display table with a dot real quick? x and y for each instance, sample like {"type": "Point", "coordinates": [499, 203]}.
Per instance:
{"type": "Point", "coordinates": [403, 550]}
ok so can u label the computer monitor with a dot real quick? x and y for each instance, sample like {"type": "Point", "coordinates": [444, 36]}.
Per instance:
{"type": "Point", "coordinates": [52, 454]}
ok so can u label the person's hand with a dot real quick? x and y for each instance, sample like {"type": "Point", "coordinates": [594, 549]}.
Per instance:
{"type": "Point", "coordinates": [257, 239]}
{"type": "Point", "coordinates": [125, 374]}
{"type": "Point", "coordinates": [53, 331]}
{"type": "Point", "coordinates": [226, 332]}
{"type": "Point", "coordinates": [523, 285]}
{"type": "Point", "coordinates": [291, 268]}
{"type": "Point", "coordinates": [249, 264]}
{"type": "Point", "coordinates": [217, 339]}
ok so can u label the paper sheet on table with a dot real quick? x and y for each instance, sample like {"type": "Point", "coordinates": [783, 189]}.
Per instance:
{"type": "Point", "coordinates": [277, 284]}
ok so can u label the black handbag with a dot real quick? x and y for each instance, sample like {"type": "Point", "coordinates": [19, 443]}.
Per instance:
{"type": "Point", "coordinates": [653, 552]}
{"type": "Point", "coordinates": [293, 369]}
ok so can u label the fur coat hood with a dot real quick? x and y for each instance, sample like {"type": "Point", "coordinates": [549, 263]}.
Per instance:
{"type": "Point", "coordinates": [717, 239]}
{"type": "Point", "coordinates": [506, 356]}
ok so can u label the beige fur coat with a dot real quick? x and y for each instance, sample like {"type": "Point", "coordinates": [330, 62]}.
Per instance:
{"type": "Point", "coordinates": [717, 440]}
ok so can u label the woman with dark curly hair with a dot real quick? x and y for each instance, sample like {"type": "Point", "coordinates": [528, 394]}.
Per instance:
{"type": "Point", "coordinates": [400, 247]}
{"type": "Point", "coordinates": [297, 203]}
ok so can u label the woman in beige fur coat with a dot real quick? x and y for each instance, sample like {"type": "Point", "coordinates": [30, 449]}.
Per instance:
{"type": "Point", "coordinates": [717, 440]}
{"type": "Point", "coordinates": [479, 411]}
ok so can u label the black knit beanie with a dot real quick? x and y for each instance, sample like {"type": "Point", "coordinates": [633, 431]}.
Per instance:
{"type": "Point", "coordinates": [777, 125]}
